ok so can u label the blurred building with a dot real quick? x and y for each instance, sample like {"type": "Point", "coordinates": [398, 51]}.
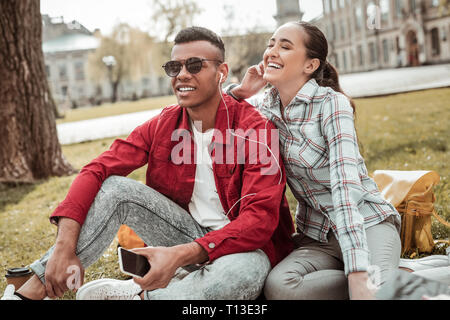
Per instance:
{"type": "Point", "coordinates": [66, 48]}
{"type": "Point", "coordinates": [366, 35]}
{"type": "Point", "coordinates": [288, 10]}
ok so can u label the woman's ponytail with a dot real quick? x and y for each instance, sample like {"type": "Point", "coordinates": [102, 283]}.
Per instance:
{"type": "Point", "coordinates": [327, 76]}
{"type": "Point", "coordinates": [317, 48]}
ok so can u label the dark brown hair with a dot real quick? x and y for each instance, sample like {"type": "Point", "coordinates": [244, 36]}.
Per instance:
{"type": "Point", "coordinates": [199, 33]}
{"type": "Point", "coordinates": [317, 48]}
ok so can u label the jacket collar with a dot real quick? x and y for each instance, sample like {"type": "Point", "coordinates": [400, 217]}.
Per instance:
{"type": "Point", "coordinates": [305, 94]}
{"type": "Point", "coordinates": [224, 120]}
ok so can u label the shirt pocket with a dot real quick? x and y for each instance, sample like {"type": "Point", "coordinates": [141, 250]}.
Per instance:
{"type": "Point", "coordinates": [162, 171]}
{"type": "Point", "coordinates": [308, 152]}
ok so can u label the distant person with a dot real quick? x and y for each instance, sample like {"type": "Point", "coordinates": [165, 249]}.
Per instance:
{"type": "Point", "coordinates": [226, 222]}
{"type": "Point", "coordinates": [346, 229]}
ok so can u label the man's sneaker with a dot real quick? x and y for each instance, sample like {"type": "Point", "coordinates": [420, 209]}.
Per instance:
{"type": "Point", "coordinates": [109, 289]}
{"type": "Point", "coordinates": [434, 261]}
{"type": "Point", "coordinates": [9, 293]}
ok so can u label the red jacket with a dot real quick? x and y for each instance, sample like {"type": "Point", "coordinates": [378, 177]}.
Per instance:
{"type": "Point", "coordinates": [260, 221]}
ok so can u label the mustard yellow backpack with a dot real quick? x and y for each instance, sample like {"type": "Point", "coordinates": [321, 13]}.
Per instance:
{"type": "Point", "coordinates": [411, 193]}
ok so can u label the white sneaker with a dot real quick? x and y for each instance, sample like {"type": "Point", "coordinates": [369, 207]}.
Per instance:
{"type": "Point", "coordinates": [430, 262]}
{"type": "Point", "coordinates": [9, 293]}
{"type": "Point", "coordinates": [109, 289]}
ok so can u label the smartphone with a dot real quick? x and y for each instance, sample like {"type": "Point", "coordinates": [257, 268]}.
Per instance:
{"type": "Point", "coordinates": [133, 264]}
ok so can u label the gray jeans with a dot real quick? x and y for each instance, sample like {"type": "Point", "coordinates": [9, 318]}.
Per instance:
{"type": "Point", "coordinates": [315, 270]}
{"type": "Point", "coordinates": [161, 222]}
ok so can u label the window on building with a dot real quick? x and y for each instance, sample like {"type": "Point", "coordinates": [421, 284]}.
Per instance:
{"type": "Point", "coordinates": [435, 45]}
{"type": "Point", "coordinates": [412, 6]}
{"type": "Point", "coordinates": [336, 60]}
{"type": "Point", "coordinates": [333, 31]}
{"type": "Point", "coordinates": [372, 53]}
{"type": "Point", "coordinates": [80, 92]}
{"type": "Point", "coordinates": [47, 70]}
{"type": "Point", "coordinates": [352, 59]}
{"type": "Point", "coordinates": [62, 72]}
{"type": "Point", "coordinates": [79, 70]}
{"type": "Point", "coordinates": [349, 28]}
{"type": "Point", "coordinates": [333, 5]}
{"type": "Point", "coordinates": [342, 3]}
{"type": "Point", "coordinates": [358, 18]}
{"type": "Point", "coordinates": [360, 55]}
{"type": "Point", "coordinates": [344, 60]}
{"type": "Point", "coordinates": [326, 6]}
{"type": "Point", "coordinates": [399, 8]}
{"type": "Point", "coordinates": [342, 31]}
{"type": "Point", "coordinates": [435, 3]}
{"type": "Point", "coordinates": [372, 12]}
{"type": "Point", "coordinates": [385, 51]}
{"type": "Point", "coordinates": [384, 10]}
{"type": "Point", "coordinates": [64, 90]}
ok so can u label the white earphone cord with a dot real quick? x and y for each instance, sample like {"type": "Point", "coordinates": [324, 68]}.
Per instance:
{"type": "Point", "coordinates": [250, 140]}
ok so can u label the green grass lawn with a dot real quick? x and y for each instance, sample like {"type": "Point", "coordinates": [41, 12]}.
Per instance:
{"type": "Point", "coordinates": [399, 132]}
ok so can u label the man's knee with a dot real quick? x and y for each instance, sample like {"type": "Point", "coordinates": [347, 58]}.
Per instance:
{"type": "Point", "coordinates": [114, 182]}
{"type": "Point", "coordinates": [241, 275]}
{"type": "Point", "coordinates": [252, 268]}
{"type": "Point", "coordinates": [115, 187]}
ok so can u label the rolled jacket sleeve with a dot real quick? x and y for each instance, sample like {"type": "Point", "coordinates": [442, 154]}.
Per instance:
{"type": "Point", "coordinates": [346, 187]}
{"type": "Point", "coordinates": [123, 157]}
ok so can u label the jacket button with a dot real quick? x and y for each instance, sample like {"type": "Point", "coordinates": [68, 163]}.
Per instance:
{"type": "Point", "coordinates": [211, 245]}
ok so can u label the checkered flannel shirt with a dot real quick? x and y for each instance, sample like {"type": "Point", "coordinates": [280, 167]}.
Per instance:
{"type": "Point", "coordinates": [326, 171]}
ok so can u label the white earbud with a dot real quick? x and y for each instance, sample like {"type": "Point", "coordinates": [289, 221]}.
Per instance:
{"type": "Point", "coordinates": [221, 77]}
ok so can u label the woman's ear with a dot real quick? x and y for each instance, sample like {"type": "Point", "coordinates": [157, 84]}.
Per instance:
{"type": "Point", "coordinates": [312, 65]}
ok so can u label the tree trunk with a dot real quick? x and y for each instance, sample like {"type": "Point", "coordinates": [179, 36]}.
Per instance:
{"type": "Point", "coordinates": [29, 146]}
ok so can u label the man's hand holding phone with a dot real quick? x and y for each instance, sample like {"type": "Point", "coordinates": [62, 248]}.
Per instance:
{"type": "Point", "coordinates": [164, 261]}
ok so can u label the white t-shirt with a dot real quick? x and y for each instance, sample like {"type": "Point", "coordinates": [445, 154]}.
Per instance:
{"type": "Point", "coordinates": [205, 206]}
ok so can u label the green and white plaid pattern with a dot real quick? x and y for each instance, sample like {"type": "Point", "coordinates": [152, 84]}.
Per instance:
{"type": "Point", "coordinates": [326, 171]}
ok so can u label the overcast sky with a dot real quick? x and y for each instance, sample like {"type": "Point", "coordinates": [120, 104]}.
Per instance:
{"type": "Point", "coordinates": [104, 14]}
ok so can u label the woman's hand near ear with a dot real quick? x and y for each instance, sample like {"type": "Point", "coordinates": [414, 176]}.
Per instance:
{"type": "Point", "coordinates": [252, 83]}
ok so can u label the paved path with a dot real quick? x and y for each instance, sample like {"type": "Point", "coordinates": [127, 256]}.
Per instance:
{"type": "Point", "coordinates": [107, 127]}
{"type": "Point", "coordinates": [389, 81]}
{"type": "Point", "coordinates": [356, 85]}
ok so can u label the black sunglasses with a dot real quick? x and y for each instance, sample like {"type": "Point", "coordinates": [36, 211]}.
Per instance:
{"type": "Point", "coordinates": [193, 65]}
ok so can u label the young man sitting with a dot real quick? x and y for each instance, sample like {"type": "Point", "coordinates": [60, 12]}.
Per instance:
{"type": "Point", "coordinates": [213, 202]}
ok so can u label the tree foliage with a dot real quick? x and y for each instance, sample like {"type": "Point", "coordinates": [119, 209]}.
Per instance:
{"type": "Point", "coordinates": [169, 17]}
{"type": "Point", "coordinates": [132, 52]}
{"type": "Point", "coordinates": [245, 46]}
